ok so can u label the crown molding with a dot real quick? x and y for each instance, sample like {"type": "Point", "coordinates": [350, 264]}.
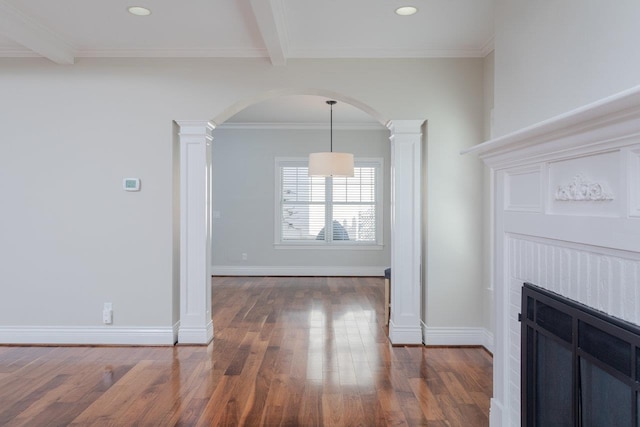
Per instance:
{"type": "Point", "coordinates": [488, 46]}
{"type": "Point", "coordinates": [367, 53]}
{"type": "Point", "coordinates": [299, 126]}
{"type": "Point", "coordinates": [298, 54]}
{"type": "Point", "coordinates": [173, 53]}
{"type": "Point", "coordinates": [17, 52]}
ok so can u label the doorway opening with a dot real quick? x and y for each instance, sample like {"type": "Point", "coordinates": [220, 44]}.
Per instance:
{"type": "Point", "coordinates": [196, 216]}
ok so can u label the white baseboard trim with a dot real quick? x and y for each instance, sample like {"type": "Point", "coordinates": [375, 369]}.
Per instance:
{"type": "Point", "coordinates": [457, 336]}
{"type": "Point", "coordinates": [496, 414]}
{"type": "Point", "coordinates": [399, 335]}
{"type": "Point", "coordinates": [488, 341]}
{"type": "Point", "coordinates": [97, 335]}
{"type": "Point", "coordinates": [240, 270]}
{"type": "Point", "coordinates": [191, 335]}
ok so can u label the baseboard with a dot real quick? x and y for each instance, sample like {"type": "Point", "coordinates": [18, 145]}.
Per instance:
{"type": "Point", "coordinates": [107, 335]}
{"type": "Point", "coordinates": [400, 335]}
{"type": "Point", "coordinates": [488, 341]}
{"type": "Point", "coordinates": [457, 336]}
{"type": "Point", "coordinates": [496, 414]}
{"type": "Point", "coordinates": [240, 270]}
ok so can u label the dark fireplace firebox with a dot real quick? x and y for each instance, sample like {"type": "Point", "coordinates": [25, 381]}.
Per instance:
{"type": "Point", "coordinates": [580, 367]}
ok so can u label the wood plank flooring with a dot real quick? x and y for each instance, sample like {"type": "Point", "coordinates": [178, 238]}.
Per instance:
{"type": "Point", "coordinates": [287, 351]}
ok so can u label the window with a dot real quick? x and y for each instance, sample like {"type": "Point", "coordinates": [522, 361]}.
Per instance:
{"type": "Point", "coordinates": [319, 211]}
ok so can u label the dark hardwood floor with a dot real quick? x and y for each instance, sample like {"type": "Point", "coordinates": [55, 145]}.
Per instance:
{"type": "Point", "coordinates": [287, 351]}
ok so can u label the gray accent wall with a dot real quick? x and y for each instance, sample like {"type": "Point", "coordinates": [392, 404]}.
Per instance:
{"type": "Point", "coordinates": [244, 180]}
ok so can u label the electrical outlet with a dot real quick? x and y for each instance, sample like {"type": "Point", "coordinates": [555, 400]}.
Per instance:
{"type": "Point", "coordinates": [244, 256]}
{"type": "Point", "coordinates": [107, 313]}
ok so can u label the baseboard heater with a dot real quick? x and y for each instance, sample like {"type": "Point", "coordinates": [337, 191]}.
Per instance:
{"type": "Point", "coordinates": [580, 367]}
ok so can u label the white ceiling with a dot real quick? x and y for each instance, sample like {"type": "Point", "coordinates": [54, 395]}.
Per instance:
{"type": "Point", "coordinates": [63, 30]}
{"type": "Point", "coordinates": [276, 30]}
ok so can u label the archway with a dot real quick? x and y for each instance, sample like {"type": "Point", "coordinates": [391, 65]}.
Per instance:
{"type": "Point", "coordinates": [195, 136]}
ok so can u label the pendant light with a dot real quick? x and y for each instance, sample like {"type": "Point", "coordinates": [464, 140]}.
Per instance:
{"type": "Point", "coordinates": [331, 164]}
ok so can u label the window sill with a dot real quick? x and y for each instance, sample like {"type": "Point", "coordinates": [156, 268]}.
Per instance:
{"type": "Point", "coordinates": [324, 247]}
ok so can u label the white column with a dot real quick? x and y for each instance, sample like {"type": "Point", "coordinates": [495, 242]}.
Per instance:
{"type": "Point", "coordinates": [196, 326]}
{"type": "Point", "coordinates": [406, 141]}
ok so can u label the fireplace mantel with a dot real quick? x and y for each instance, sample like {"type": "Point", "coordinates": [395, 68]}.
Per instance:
{"type": "Point", "coordinates": [565, 215]}
{"type": "Point", "coordinates": [601, 123]}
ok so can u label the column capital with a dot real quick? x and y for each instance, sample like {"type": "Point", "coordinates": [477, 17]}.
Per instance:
{"type": "Point", "coordinates": [405, 126]}
{"type": "Point", "coordinates": [195, 128]}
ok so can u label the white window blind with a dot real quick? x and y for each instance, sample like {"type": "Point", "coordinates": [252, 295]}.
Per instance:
{"type": "Point", "coordinates": [303, 206]}
{"type": "Point", "coordinates": [329, 211]}
{"type": "Point", "coordinates": [354, 204]}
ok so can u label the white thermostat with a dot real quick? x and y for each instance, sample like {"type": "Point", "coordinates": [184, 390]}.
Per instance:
{"type": "Point", "coordinates": [131, 184]}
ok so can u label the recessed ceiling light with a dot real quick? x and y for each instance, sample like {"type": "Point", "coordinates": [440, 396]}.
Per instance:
{"type": "Point", "coordinates": [139, 11]}
{"type": "Point", "coordinates": [406, 10]}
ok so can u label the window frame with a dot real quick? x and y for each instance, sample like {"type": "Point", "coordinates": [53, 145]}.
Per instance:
{"type": "Point", "coordinates": [330, 244]}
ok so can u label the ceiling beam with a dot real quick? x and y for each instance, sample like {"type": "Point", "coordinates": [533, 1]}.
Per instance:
{"type": "Point", "coordinates": [17, 26]}
{"type": "Point", "coordinates": [270, 19]}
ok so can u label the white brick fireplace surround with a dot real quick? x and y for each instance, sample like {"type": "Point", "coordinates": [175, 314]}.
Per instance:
{"type": "Point", "coordinates": [566, 217]}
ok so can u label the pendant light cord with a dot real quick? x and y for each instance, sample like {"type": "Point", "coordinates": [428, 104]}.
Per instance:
{"type": "Point", "coordinates": [331, 104]}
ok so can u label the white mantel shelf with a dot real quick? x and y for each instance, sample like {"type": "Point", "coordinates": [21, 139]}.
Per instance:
{"type": "Point", "coordinates": [565, 197]}
{"type": "Point", "coordinates": [601, 122]}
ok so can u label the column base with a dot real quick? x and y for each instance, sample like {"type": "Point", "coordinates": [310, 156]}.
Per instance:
{"type": "Point", "coordinates": [399, 335]}
{"type": "Point", "coordinates": [196, 335]}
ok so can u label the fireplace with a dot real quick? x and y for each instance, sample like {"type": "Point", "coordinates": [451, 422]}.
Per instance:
{"type": "Point", "coordinates": [580, 367]}
{"type": "Point", "coordinates": [566, 216]}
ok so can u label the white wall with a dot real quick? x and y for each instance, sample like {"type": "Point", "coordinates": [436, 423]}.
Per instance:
{"type": "Point", "coordinates": [244, 195]}
{"type": "Point", "coordinates": [488, 73]}
{"type": "Point", "coordinates": [175, 266]}
{"type": "Point", "coordinates": [454, 292]}
{"type": "Point", "coordinates": [554, 56]}
{"type": "Point", "coordinates": [71, 239]}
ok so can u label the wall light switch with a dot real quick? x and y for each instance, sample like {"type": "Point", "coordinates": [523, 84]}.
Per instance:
{"type": "Point", "coordinates": [216, 215]}
{"type": "Point", "coordinates": [131, 184]}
